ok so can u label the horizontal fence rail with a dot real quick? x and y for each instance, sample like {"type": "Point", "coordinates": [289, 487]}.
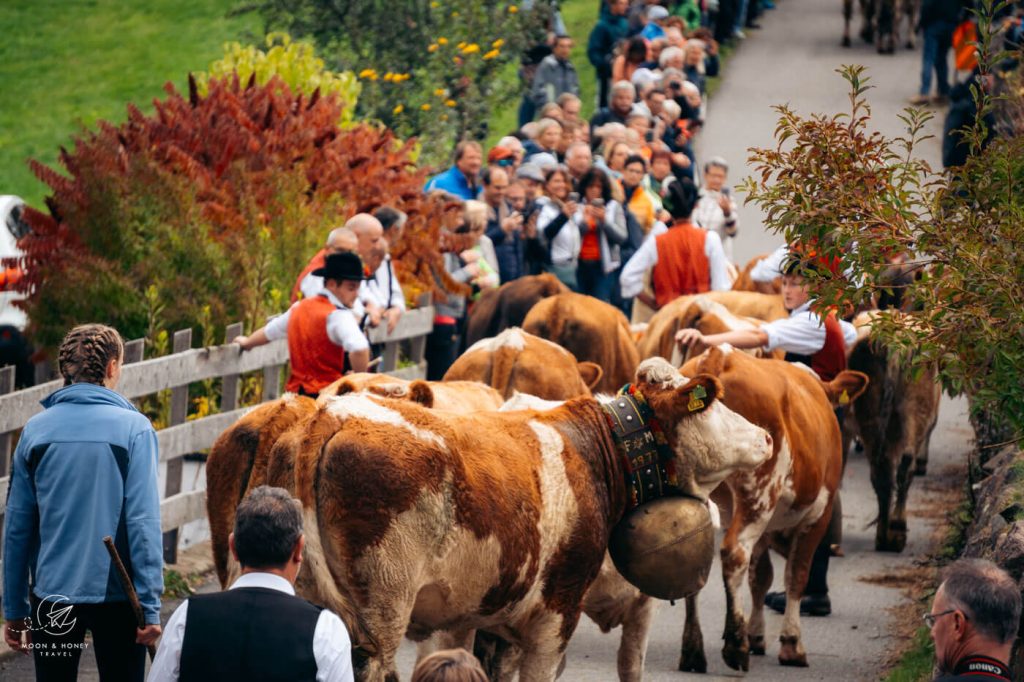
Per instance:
{"type": "Point", "coordinates": [175, 372]}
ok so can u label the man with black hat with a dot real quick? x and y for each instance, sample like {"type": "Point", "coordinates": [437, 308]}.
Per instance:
{"type": "Point", "coordinates": [322, 331]}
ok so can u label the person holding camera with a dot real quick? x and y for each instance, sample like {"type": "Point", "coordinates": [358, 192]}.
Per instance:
{"type": "Point", "coordinates": [716, 209]}
{"type": "Point", "coordinates": [557, 228]}
{"type": "Point", "coordinates": [602, 226]}
{"type": "Point", "coordinates": [685, 259]}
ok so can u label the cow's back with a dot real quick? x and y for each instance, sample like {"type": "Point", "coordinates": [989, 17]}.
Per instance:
{"type": "Point", "coordinates": [508, 305]}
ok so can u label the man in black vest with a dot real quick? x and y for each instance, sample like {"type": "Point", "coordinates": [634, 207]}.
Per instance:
{"type": "Point", "coordinates": [257, 630]}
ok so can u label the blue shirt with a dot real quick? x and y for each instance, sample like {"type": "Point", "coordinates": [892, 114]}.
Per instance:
{"type": "Point", "coordinates": [85, 468]}
{"type": "Point", "coordinates": [454, 182]}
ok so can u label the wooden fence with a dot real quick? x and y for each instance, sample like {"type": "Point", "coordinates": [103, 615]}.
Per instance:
{"type": "Point", "coordinates": [185, 365]}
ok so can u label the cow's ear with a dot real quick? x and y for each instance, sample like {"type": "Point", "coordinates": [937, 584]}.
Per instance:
{"type": "Point", "coordinates": [698, 393]}
{"type": "Point", "coordinates": [421, 392]}
{"type": "Point", "coordinates": [342, 387]}
{"type": "Point", "coordinates": [591, 373]}
{"type": "Point", "coordinates": [712, 362]}
{"type": "Point", "coordinates": [846, 387]}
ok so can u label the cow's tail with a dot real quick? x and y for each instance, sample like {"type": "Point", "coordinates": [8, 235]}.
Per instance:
{"type": "Point", "coordinates": [228, 468]}
{"type": "Point", "coordinates": [503, 363]}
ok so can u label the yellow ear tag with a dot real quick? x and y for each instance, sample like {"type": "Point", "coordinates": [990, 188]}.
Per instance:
{"type": "Point", "coordinates": [695, 402]}
{"type": "Point", "coordinates": [844, 398]}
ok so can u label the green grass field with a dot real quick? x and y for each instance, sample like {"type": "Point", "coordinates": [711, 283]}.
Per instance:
{"type": "Point", "coordinates": [68, 63]}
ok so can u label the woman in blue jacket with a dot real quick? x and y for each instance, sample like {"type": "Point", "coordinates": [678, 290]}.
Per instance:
{"type": "Point", "coordinates": [85, 468]}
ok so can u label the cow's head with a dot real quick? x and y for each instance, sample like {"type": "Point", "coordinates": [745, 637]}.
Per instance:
{"type": "Point", "coordinates": [710, 440]}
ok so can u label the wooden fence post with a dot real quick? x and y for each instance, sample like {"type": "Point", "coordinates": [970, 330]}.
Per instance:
{"type": "Point", "coordinates": [271, 383]}
{"type": "Point", "coordinates": [230, 383]}
{"type": "Point", "coordinates": [418, 345]}
{"type": "Point", "coordinates": [175, 471]}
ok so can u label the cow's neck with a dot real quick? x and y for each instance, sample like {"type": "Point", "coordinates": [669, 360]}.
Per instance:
{"type": "Point", "coordinates": [592, 436]}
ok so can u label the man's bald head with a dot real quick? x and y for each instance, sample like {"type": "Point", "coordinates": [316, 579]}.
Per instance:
{"type": "Point", "coordinates": [368, 231]}
{"type": "Point", "coordinates": [342, 240]}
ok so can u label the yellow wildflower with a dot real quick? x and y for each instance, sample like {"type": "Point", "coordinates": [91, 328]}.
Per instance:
{"type": "Point", "coordinates": [444, 117]}
{"type": "Point", "coordinates": [498, 43]}
{"type": "Point", "coordinates": [455, 15]}
{"type": "Point", "coordinates": [471, 48]}
{"type": "Point", "coordinates": [442, 41]}
{"type": "Point", "coordinates": [449, 103]}
{"type": "Point", "coordinates": [368, 74]}
{"type": "Point", "coordinates": [388, 77]}
{"type": "Point", "coordinates": [492, 54]}
{"type": "Point", "coordinates": [512, 9]}
{"type": "Point", "coordinates": [440, 92]}
{"type": "Point", "coordinates": [425, 107]}
{"type": "Point", "coordinates": [397, 110]}
{"type": "Point", "coordinates": [435, 4]}
{"type": "Point", "coordinates": [432, 47]}
{"type": "Point", "coordinates": [461, 45]}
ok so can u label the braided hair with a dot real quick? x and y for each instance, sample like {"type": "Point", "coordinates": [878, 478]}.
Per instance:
{"type": "Point", "coordinates": [86, 351]}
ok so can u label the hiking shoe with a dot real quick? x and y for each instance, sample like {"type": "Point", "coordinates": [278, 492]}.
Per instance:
{"type": "Point", "coordinates": [920, 100]}
{"type": "Point", "coordinates": [810, 605]}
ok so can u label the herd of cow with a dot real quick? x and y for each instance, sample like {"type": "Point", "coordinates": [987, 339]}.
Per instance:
{"type": "Point", "coordinates": [479, 508]}
{"type": "Point", "coordinates": [884, 22]}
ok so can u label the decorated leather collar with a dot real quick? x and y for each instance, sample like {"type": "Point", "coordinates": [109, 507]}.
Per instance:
{"type": "Point", "coordinates": [641, 442]}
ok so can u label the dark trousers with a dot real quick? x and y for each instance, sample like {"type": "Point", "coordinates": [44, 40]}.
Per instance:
{"type": "Point", "coordinates": [592, 280]}
{"type": "Point", "coordinates": [58, 640]}
{"type": "Point", "coordinates": [603, 88]}
{"type": "Point", "coordinates": [938, 39]}
{"type": "Point", "coordinates": [442, 349]}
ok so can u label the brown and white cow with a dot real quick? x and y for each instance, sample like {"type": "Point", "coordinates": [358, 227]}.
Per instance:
{"type": "Point", "coordinates": [741, 308]}
{"type": "Point", "coordinates": [894, 419]}
{"type": "Point", "coordinates": [498, 521]}
{"type": "Point", "coordinates": [786, 502]}
{"type": "Point", "coordinates": [243, 457]}
{"type": "Point", "coordinates": [517, 361]}
{"type": "Point", "coordinates": [507, 306]}
{"type": "Point", "coordinates": [591, 330]}
{"type": "Point", "coordinates": [744, 282]}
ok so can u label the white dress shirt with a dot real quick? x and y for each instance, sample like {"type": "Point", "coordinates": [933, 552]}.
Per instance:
{"type": "Point", "coordinates": [803, 332]}
{"type": "Point", "coordinates": [332, 648]}
{"type": "Point", "coordinates": [342, 326]}
{"type": "Point", "coordinates": [770, 267]}
{"type": "Point", "coordinates": [384, 288]}
{"type": "Point", "coordinates": [631, 280]}
{"type": "Point", "coordinates": [709, 215]}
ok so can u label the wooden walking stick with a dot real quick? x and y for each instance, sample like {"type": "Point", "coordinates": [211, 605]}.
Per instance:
{"type": "Point", "coordinates": [129, 589]}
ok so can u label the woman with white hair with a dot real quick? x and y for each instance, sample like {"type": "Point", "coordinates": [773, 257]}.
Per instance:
{"type": "Point", "coordinates": [716, 209]}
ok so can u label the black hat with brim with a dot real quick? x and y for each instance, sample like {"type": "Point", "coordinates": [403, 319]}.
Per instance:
{"type": "Point", "coordinates": [342, 266]}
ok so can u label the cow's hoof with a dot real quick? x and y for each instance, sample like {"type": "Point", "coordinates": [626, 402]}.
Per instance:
{"type": "Point", "coordinates": [790, 652]}
{"type": "Point", "coordinates": [756, 644]}
{"type": "Point", "coordinates": [693, 661]}
{"type": "Point", "coordinates": [737, 655]}
{"type": "Point", "coordinates": [867, 35]}
{"type": "Point", "coordinates": [846, 41]}
{"type": "Point", "coordinates": [895, 542]}
{"type": "Point", "coordinates": [909, 45]}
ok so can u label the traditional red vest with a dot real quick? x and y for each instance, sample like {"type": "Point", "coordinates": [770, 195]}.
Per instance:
{"type": "Point", "coordinates": [316, 361]}
{"type": "Point", "coordinates": [318, 261]}
{"type": "Point", "coordinates": [828, 362]}
{"type": "Point", "coordinates": [682, 267]}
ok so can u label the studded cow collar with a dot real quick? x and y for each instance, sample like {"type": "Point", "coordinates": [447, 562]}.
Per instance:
{"type": "Point", "coordinates": [650, 466]}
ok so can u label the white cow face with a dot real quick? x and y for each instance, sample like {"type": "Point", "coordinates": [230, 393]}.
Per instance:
{"type": "Point", "coordinates": [710, 440]}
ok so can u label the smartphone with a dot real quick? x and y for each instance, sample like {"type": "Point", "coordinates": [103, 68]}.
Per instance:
{"type": "Point", "coordinates": [726, 191]}
{"type": "Point", "coordinates": [597, 203]}
{"type": "Point", "coordinates": [574, 197]}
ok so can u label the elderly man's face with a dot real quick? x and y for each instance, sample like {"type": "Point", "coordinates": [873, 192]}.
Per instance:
{"type": "Point", "coordinates": [714, 178]}
{"type": "Point", "coordinates": [495, 191]}
{"type": "Point", "coordinates": [515, 195]}
{"type": "Point", "coordinates": [571, 110]}
{"type": "Point", "coordinates": [694, 55]}
{"type": "Point", "coordinates": [471, 161]}
{"type": "Point", "coordinates": [369, 236]}
{"type": "Point", "coordinates": [622, 102]}
{"type": "Point", "coordinates": [947, 633]}
{"type": "Point", "coordinates": [579, 160]}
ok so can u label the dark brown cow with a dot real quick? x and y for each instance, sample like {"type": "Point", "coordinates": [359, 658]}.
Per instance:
{"type": "Point", "coordinates": [507, 306]}
{"type": "Point", "coordinates": [591, 330]}
{"type": "Point", "coordinates": [894, 420]}
{"type": "Point", "coordinates": [785, 503]}
{"type": "Point", "coordinates": [496, 521]}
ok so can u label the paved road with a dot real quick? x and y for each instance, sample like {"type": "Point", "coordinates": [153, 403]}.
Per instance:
{"type": "Point", "coordinates": [792, 59]}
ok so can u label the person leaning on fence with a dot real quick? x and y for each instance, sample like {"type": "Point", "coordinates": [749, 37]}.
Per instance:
{"type": "Point", "coordinates": [449, 665]}
{"type": "Point", "coordinates": [973, 621]}
{"type": "Point", "coordinates": [85, 468]}
{"type": "Point", "coordinates": [257, 630]}
{"type": "Point", "coordinates": [324, 338]}
{"type": "Point", "coordinates": [340, 240]}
